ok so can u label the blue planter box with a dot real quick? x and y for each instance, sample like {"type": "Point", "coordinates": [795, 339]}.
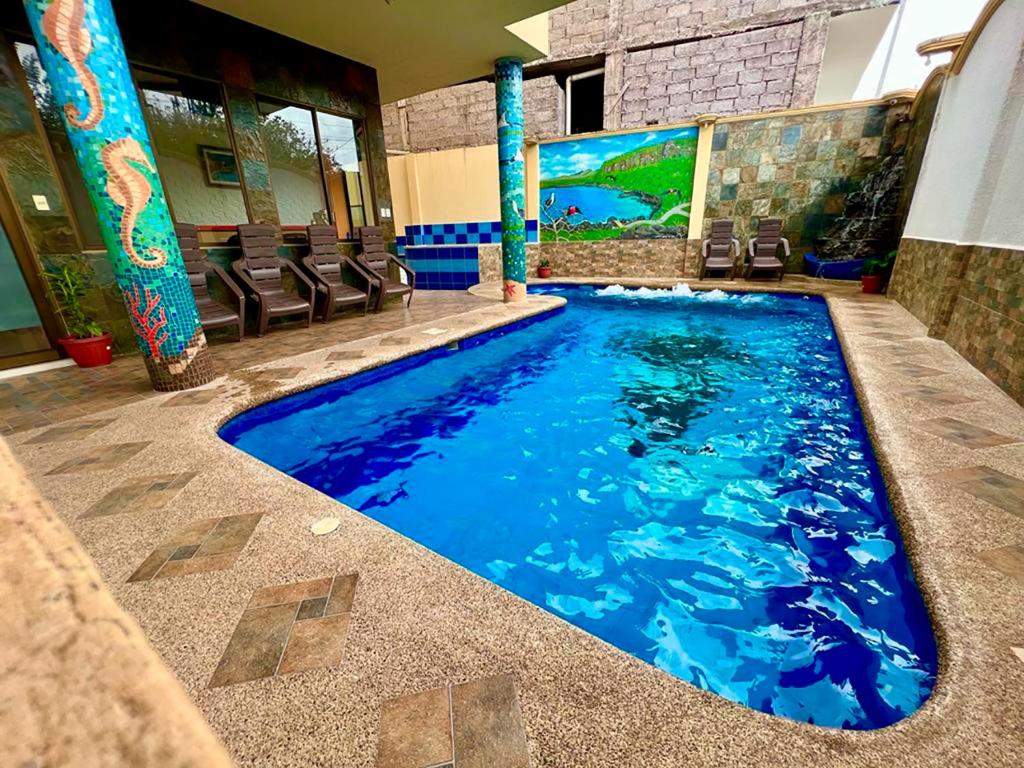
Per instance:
{"type": "Point", "coordinates": [832, 270]}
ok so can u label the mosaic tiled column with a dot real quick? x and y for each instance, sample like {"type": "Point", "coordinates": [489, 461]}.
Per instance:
{"type": "Point", "coordinates": [81, 51]}
{"type": "Point", "coordinates": [508, 81]}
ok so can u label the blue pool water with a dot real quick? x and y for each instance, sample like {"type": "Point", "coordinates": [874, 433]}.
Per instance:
{"type": "Point", "coordinates": [685, 476]}
{"type": "Point", "coordinates": [595, 204]}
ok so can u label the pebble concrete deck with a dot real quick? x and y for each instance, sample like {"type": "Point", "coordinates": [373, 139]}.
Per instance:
{"type": "Point", "coordinates": [150, 481]}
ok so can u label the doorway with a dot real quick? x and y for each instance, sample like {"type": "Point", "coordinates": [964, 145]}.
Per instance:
{"type": "Point", "coordinates": [26, 327]}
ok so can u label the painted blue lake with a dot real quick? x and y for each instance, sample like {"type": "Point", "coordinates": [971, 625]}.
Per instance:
{"type": "Point", "coordinates": [595, 204]}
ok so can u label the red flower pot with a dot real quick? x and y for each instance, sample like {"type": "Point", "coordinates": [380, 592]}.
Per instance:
{"type": "Point", "coordinates": [91, 352]}
{"type": "Point", "coordinates": [871, 283]}
{"type": "Point", "coordinates": [543, 271]}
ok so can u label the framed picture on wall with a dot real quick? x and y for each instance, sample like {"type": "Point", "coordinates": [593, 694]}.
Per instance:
{"type": "Point", "coordinates": [219, 166]}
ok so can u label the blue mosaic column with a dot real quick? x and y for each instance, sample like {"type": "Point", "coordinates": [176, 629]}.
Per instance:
{"type": "Point", "coordinates": [508, 83]}
{"type": "Point", "coordinates": [81, 51]}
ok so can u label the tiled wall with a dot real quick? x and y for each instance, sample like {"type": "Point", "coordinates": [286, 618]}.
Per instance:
{"type": "Point", "coordinates": [799, 167]}
{"type": "Point", "coordinates": [446, 256]}
{"type": "Point", "coordinates": [969, 296]}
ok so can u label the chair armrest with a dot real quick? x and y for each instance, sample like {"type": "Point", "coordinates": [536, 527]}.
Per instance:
{"type": "Point", "coordinates": [785, 247]}
{"type": "Point", "coordinates": [314, 275]}
{"type": "Point", "coordinates": [299, 275]}
{"type": "Point", "coordinates": [704, 249]}
{"type": "Point", "coordinates": [238, 267]}
{"type": "Point", "coordinates": [408, 270]}
{"type": "Point", "coordinates": [752, 247]}
{"type": "Point", "coordinates": [227, 282]}
{"type": "Point", "coordinates": [737, 246]}
{"type": "Point", "coordinates": [370, 278]}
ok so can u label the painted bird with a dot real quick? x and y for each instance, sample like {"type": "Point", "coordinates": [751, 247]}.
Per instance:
{"type": "Point", "coordinates": [550, 201]}
{"type": "Point", "coordinates": [572, 210]}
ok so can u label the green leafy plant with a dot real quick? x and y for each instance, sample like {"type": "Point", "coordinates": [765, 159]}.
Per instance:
{"type": "Point", "coordinates": [69, 280]}
{"type": "Point", "coordinates": [879, 265]}
{"type": "Point", "coordinates": [543, 263]}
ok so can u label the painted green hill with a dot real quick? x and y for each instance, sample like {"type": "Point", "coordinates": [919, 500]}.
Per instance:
{"type": "Point", "coordinates": [662, 172]}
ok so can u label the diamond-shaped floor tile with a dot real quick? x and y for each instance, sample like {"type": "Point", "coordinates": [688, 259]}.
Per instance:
{"type": "Point", "coordinates": [206, 545]}
{"type": "Point", "coordinates": [965, 434]}
{"type": "Point", "coordinates": [477, 724]}
{"type": "Point", "coordinates": [936, 395]}
{"type": "Point", "coordinates": [1007, 560]}
{"type": "Point", "coordinates": [140, 494]}
{"type": "Point", "coordinates": [991, 485]}
{"type": "Point", "coordinates": [289, 628]}
{"type": "Point", "coordinates": [65, 432]}
{"type": "Point", "coordinates": [100, 457]}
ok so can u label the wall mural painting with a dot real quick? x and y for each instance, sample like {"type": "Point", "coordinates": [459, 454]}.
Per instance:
{"type": "Point", "coordinates": [627, 186]}
{"type": "Point", "coordinates": [80, 50]}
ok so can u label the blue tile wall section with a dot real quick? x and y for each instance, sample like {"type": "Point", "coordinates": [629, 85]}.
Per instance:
{"type": "Point", "coordinates": [443, 267]}
{"type": "Point", "coordinates": [461, 233]}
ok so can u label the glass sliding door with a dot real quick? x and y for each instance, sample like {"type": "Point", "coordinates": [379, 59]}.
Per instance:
{"type": "Point", "coordinates": [22, 336]}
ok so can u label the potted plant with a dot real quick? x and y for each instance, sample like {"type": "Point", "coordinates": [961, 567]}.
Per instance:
{"type": "Point", "coordinates": [544, 268]}
{"type": "Point", "coordinates": [86, 343]}
{"type": "Point", "coordinates": [875, 274]}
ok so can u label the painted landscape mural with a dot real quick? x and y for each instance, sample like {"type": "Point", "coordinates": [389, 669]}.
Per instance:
{"type": "Point", "coordinates": [629, 186]}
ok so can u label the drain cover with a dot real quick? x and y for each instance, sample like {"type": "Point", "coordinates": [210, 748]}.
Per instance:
{"type": "Point", "coordinates": [325, 525]}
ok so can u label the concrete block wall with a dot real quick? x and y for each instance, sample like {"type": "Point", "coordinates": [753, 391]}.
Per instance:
{"type": "Point", "coordinates": [664, 60]}
{"type": "Point", "coordinates": [464, 116]}
{"type": "Point", "coordinates": [743, 73]}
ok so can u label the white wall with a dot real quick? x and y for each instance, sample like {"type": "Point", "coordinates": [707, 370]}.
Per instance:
{"type": "Point", "coordinates": [966, 192]}
{"type": "Point", "coordinates": [853, 39]}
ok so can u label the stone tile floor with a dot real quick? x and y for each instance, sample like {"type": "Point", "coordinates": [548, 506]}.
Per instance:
{"type": "Point", "coordinates": [289, 628]}
{"type": "Point", "coordinates": [425, 636]}
{"type": "Point", "coordinates": [50, 397]}
{"type": "Point", "coordinates": [476, 724]}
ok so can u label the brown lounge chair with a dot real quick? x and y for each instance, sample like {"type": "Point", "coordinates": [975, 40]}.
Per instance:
{"type": "Point", "coordinates": [384, 267]}
{"type": "Point", "coordinates": [212, 313]}
{"type": "Point", "coordinates": [763, 250]}
{"type": "Point", "coordinates": [326, 266]}
{"type": "Point", "coordinates": [717, 252]}
{"type": "Point", "coordinates": [260, 268]}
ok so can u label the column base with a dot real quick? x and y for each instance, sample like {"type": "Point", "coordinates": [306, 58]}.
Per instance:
{"type": "Point", "coordinates": [192, 368]}
{"type": "Point", "coordinates": [512, 290]}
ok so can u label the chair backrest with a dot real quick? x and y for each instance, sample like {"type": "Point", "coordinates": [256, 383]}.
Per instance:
{"type": "Point", "coordinates": [375, 252]}
{"type": "Point", "coordinates": [195, 262]}
{"type": "Point", "coordinates": [323, 248]}
{"type": "Point", "coordinates": [259, 249]}
{"type": "Point", "coordinates": [769, 232]}
{"type": "Point", "coordinates": [721, 237]}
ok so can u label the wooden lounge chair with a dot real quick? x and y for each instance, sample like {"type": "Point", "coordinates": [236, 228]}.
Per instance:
{"type": "Point", "coordinates": [384, 267]}
{"type": "Point", "coordinates": [763, 250]}
{"type": "Point", "coordinates": [212, 313]}
{"type": "Point", "coordinates": [717, 252]}
{"type": "Point", "coordinates": [261, 269]}
{"type": "Point", "coordinates": [327, 266]}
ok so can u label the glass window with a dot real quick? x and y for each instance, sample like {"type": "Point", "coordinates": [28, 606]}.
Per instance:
{"type": "Point", "coordinates": [345, 170]}
{"type": "Point", "coordinates": [50, 116]}
{"type": "Point", "coordinates": [290, 142]}
{"type": "Point", "coordinates": [317, 167]}
{"type": "Point", "coordinates": [189, 130]}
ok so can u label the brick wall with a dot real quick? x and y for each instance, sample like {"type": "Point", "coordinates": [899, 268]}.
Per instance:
{"type": "Point", "coordinates": [665, 60]}
{"type": "Point", "coordinates": [748, 72]}
{"type": "Point", "coordinates": [464, 116]}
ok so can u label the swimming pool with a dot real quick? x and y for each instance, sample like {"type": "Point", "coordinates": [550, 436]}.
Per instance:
{"type": "Point", "coordinates": [686, 476]}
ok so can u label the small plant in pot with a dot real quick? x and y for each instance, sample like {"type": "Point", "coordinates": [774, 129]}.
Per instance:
{"type": "Point", "coordinates": [876, 272]}
{"type": "Point", "coordinates": [544, 268]}
{"type": "Point", "coordinates": [86, 343]}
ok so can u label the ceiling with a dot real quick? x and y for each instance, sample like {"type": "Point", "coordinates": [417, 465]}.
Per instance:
{"type": "Point", "coordinates": [415, 45]}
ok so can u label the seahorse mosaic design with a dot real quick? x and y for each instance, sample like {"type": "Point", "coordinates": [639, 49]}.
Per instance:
{"type": "Point", "coordinates": [64, 27]}
{"type": "Point", "coordinates": [130, 189]}
{"type": "Point", "coordinates": [82, 54]}
{"type": "Point", "coordinates": [508, 78]}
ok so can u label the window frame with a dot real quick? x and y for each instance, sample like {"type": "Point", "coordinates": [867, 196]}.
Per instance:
{"type": "Point", "coordinates": [569, 80]}
{"type": "Point", "coordinates": [41, 133]}
{"type": "Point", "coordinates": [357, 122]}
